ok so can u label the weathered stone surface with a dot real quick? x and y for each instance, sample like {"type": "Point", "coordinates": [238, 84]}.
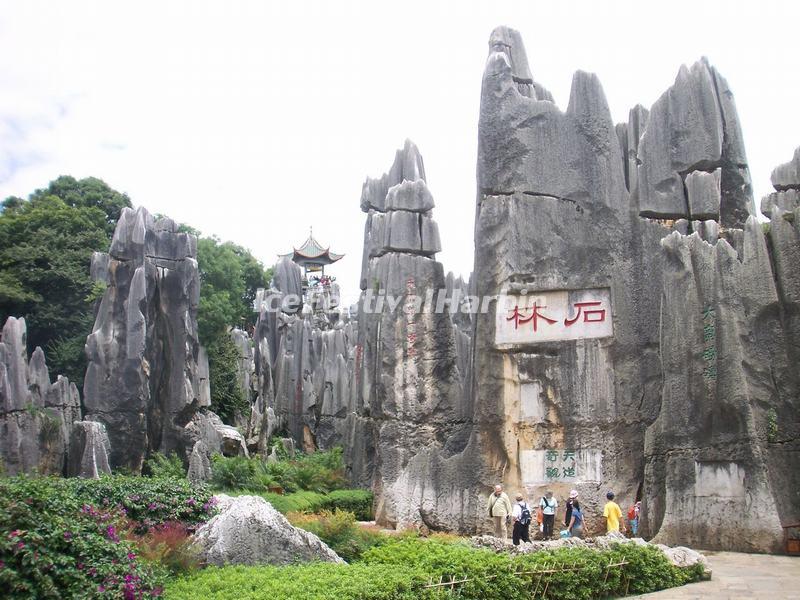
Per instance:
{"type": "Point", "coordinates": [703, 195]}
{"type": "Point", "coordinates": [684, 132]}
{"type": "Point", "coordinates": [142, 381]}
{"type": "Point", "coordinates": [407, 418]}
{"type": "Point", "coordinates": [409, 195]}
{"type": "Point", "coordinates": [784, 202]}
{"type": "Point", "coordinates": [248, 531]}
{"type": "Point", "coordinates": [89, 450]}
{"type": "Point", "coordinates": [585, 162]}
{"type": "Point", "coordinates": [787, 175]}
{"type": "Point", "coordinates": [407, 166]}
{"type": "Point", "coordinates": [560, 218]}
{"type": "Point", "coordinates": [35, 415]}
{"type": "Point", "coordinates": [706, 464]}
{"type": "Point", "coordinates": [199, 463]}
{"type": "Point", "coordinates": [693, 126]}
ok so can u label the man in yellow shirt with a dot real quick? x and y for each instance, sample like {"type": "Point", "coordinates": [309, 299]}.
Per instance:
{"type": "Point", "coordinates": [613, 514]}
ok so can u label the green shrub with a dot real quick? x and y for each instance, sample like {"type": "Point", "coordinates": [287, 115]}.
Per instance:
{"type": "Point", "coordinates": [320, 581]}
{"type": "Point", "coordinates": [403, 569]}
{"type": "Point", "coordinates": [53, 545]}
{"type": "Point", "coordinates": [358, 502]}
{"type": "Point", "coordinates": [159, 465]}
{"type": "Point", "coordinates": [321, 472]}
{"type": "Point", "coordinates": [148, 501]}
{"type": "Point", "coordinates": [304, 502]}
{"type": "Point", "coordinates": [339, 530]}
{"type": "Point", "coordinates": [231, 473]}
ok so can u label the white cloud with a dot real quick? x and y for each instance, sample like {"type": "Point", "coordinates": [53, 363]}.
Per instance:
{"type": "Point", "coordinates": [255, 120]}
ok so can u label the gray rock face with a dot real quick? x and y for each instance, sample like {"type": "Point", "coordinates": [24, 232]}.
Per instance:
{"type": "Point", "coordinates": [248, 531]}
{"type": "Point", "coordinates": [143, 381]}
{"type": "Point", "coordinates": [554, 216]}
{"type": "Point", "coordinates": [89, 450]}
{"type": "Point", "coordinates": [707, 467]}
{"type": "Point", "coordinates": [36, 415]}
{"type": "Point", "coordinates": [698, 418]}
{"type": "Point", "coordinates": [199, 463]}
{"type": "Point", "coordinates": [703, 194]}
{"type": "Point", "coordinates": [693, 126]}
{"type": "Point", "coordinates": [787, 175]}
{"type": "Point", "coordinates": [409, 416]}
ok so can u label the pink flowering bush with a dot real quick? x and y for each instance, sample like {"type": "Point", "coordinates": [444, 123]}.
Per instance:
{"type": "Point", "coordinates": [74, 538]}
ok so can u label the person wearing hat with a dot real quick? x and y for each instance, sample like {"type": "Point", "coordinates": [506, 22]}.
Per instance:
{"type": "Point", "coordinates": [613, 514]}
{"type": "Point", "coordinates": [575, 526]}
{"type": "Point", "coordinates": [573, 495]}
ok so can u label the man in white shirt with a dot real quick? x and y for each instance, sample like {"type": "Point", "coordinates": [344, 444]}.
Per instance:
{"type": "Point", "coordinates": [548, 504]}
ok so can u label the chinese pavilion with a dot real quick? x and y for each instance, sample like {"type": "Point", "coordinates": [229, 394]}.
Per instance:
{"type": "Point", "coordinates": [313, 256]}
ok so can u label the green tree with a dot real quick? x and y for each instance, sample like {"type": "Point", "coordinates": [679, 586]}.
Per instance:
{"type": "Point", "coordinates": [46, 245]}
{"type": "Point", "coordinates": [229, 278]}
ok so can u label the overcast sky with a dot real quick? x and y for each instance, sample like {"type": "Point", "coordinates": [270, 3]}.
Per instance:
{"type": "Point", "coordinates": [255, 120]}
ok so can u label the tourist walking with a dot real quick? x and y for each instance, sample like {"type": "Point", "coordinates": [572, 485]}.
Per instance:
{"type": "Point", "coordinates": [575, 526]}
{"type": "Point", "coordinates": [633, 517]}
{"type": "Point", "coordinates": [548, 504]}
{"type": "Point", "coordinates": [521, 515]}
{"type": "Point", "coordinates": [499, 507]}
{"type": "Point", "coordinates": [613, 514]}
{"type": "Point", "coordinates": [573, 497]}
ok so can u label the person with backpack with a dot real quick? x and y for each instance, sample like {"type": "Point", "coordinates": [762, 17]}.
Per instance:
{"type": "Point", "coordinates": [633, 517]}
{"type": "Point", "coordinates": [575, 526]}
{"type": "Point", "coordinates": [499, 507]}
{"type": "Point", "coordinates": [548, 504]}
{"type": "Point", "coordinates": [522, 521]}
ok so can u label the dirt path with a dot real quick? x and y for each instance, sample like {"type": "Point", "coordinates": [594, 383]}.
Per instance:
{"type": "Point", "coordinates": [738, 576]}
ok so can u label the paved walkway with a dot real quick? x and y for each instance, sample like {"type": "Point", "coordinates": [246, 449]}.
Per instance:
{"type": "Point", "coordinates": [738, 576]}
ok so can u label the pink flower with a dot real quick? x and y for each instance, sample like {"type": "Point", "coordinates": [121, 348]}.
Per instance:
{"type": "Point", "coordinates": [101, 588]}
{"type": "Point", "coordinates": [68, 535]}
{"type": "Point", "coordinates": [131, 556]}
{"type": "Point", "coordinates": [20, 545]}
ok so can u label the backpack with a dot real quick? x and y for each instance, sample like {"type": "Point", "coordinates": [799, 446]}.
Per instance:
{"type": "Point", "coordinates": [525, 515]}
{"type": "Point", "coordinates": [632, 513]}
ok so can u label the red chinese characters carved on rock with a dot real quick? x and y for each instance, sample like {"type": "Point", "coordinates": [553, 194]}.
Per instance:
{"type": "Point", "coordinates": [533, 318]}
{"type": "Point", "coordinates": [589, 310]}
{"type": "Point", "coordinates": [595, 315]}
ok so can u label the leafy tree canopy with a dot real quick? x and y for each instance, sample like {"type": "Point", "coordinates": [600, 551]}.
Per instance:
{"type": "Point", "coordinates": [46, 244]}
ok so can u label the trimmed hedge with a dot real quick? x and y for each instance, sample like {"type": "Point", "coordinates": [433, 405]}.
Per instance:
{"type": "Point", "coordinates": [358, 502]}
{"type": "Point", "coordinates": [402, 569]}
{"type": "Point", "coordinates": [319, 581]}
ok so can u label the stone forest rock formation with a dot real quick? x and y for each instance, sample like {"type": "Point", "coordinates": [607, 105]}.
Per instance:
{"type": "Point", "coordinates": [144, 380]}
{"type": "Point", "coordinates": [36, 415]}
{"type": "Point", "coordinates": [575, 383]}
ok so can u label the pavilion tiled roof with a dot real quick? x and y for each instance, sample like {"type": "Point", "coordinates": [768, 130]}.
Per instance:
{"type": "Point", "coordinates": [312, 251]}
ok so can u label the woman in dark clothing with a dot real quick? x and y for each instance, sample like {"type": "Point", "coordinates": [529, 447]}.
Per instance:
{"type": "Point", "coordinates": [573, 497]}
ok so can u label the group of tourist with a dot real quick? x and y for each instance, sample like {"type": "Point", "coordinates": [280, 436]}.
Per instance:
{"type": "Point", "coordinates": [520, 515]}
